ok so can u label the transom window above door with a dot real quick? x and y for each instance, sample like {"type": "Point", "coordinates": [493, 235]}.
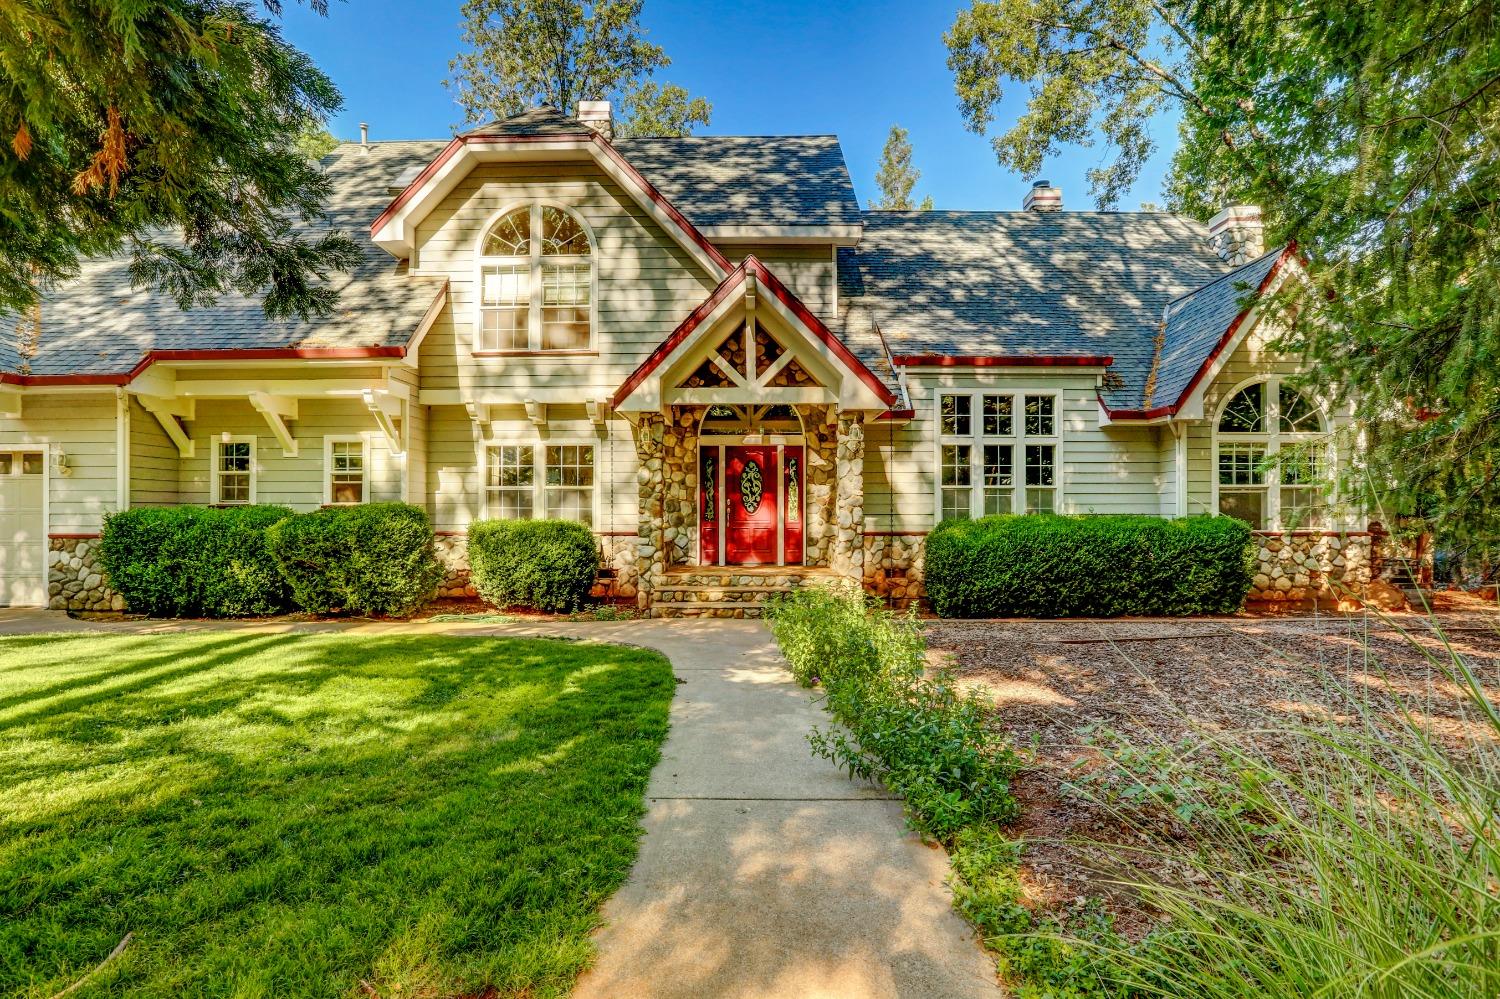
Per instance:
{"type": "Point", "coordinates": [998, 453]}
{"type": "Point", "coordinates": [536, 283]}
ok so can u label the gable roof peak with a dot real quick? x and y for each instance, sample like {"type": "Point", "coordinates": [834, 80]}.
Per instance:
{"type": "Point", "coordinates": [540, 120]}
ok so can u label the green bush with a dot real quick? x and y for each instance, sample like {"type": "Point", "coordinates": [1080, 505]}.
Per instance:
{"type": "Point", "coordinates": [550, 565]}
{"type": "Point", "coordinates": [375, 558]}
{"type": "Point", "coordinates": [915, 733]}
{"type": "Point", "coordinates": [1088, 566]}
{"type": "Point", "coordinates": [194, 561]}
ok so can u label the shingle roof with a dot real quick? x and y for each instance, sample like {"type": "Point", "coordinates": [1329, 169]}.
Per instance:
{"type": "Point", "coordinates": [749, 179]}
{"type": "Point", "coordinates": [1040, 283]}
{"type": "Point", "coordinates": [1196, 322]}
{"type": "Point", "coordinates": [97, 324]}
{"type": "Point", "coordinates": [533, 121]}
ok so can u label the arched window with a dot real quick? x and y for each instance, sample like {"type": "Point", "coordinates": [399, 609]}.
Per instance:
{"type": "Point", "coordinates": [536, 282]}
{"type": "Point", "coordinates": [1270, 446]}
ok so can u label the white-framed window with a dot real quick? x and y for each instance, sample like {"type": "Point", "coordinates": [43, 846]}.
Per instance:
{"type": "Point", "coordinates": [536, 282]}
{"type": "Point", "coordinates": [1270, 457]}
{"type": "Point", "coordinates": [346, 470]}
{"type": "Point", "coordinates": [234, 471]}
{"type": "Point", "coordinates": [998, 452]}
{"type": "Point", "coordinates": [545, 480]}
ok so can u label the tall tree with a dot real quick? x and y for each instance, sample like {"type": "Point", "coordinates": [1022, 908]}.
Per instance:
{"type": "Point", "coordinates": [521, 53]}
{"type": "Point", "coordinates": [897, 178]}
{"type": "Point", "coordinates": [1366, 131]}
{"type": "Point", "coordinates": [315, 141]}
{"type": "Point", "coordinates": [168, 131]}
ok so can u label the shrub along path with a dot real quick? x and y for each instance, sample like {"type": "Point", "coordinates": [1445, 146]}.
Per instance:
{"type": "Point", "coordinates": [763, 872]}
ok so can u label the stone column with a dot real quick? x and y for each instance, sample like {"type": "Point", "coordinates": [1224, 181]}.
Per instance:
{"type": "Point", "coordinates": [848, 558]}
{"type": "Point", "coordinates": [819, 427]}
{"type": "Point", "coordinates": [650, 541]}
{"type": "Point", "coordinates": [680, 485]}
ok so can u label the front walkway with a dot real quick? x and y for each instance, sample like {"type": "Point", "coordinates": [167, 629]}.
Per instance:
{"type": "Point", "coordinates": [763, 872]}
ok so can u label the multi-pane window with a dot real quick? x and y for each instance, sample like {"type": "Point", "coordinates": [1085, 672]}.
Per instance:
{"type": "Point", "coordinates": [555, 480]}
{"type": "Point", "coordinates": [510, 487]}
{"type": "Point", "coordinates": [570, 482]}
{"type": "Point", "coordinates": [536, 275]}
{"type": "Point", "coordinates": [956, 480]}
{"type": "Point", "coordinates": [983, 437]}
{"type": "Point", "coordinates": [234, 471]}
{"type": "Point", "coordinates": [346, 467]}
{"type": "Point", "coordinates": [1269, 458]}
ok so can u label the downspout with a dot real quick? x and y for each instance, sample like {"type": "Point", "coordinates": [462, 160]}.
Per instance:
{"type": "Point", "coordinates": [122, 450]}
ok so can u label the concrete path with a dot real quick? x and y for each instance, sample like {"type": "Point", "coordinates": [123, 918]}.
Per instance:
{"type": "Point", "coordinates": [764, 871]}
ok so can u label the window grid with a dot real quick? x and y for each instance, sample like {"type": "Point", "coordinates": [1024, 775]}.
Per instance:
{"type": "Point", "coordinates": [991, 442]}
{"type": "Point", "coordinates": [1269, 466]}
{"type": "Point", "coordinates": [570, 482]}
{"type": "Point", "coordinates": [511, 482]}
{"type": "Point", "coordinates": [235, 466]}
{"type": "Point", "coordinates": [539, 295]}
{"type": "Point", "coordinates": [346, 471]}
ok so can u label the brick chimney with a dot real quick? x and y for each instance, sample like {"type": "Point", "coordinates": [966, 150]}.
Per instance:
{"type": "Point", "coordinates": [1043, 197]}
{"type": "Point", "coordinates": [1237, 235]}
{"type": "Point", "coordinates": [597, 115]}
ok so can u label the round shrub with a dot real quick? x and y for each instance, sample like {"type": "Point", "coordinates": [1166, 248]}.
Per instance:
{"type": "Point", "coordinates": [1088, 566]}
{"type": "Point", "coordinates": [550, 565]}
{"type": "Point", "coordinates": [195, 561]}
{"type": "Point", "coordinates": [375, 558]}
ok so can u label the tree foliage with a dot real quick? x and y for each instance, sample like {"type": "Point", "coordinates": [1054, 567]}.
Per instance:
{"type": "Point", "coordinates": [167, 130]}
{"type": "Point", "coordinates": [897, 178]}
{"type": "Point", "coordinates": [1367, 132]}
{"type": "Point", "coordinates": [316, 142]}
{"type": "Point", "coordinates": [522, 53]}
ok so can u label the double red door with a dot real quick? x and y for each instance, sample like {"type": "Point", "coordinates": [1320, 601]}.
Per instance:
{"type": "Point", "coordinates": [750, 502]}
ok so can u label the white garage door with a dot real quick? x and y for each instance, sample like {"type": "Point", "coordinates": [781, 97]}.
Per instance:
{"type": "Point", "coordinates": [23, 556]}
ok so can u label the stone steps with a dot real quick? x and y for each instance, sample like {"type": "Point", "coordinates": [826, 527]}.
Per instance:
{"type": "Point", "coordinates": [730, 591]}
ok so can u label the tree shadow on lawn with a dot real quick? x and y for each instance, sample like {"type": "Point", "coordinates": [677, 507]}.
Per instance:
{"type": "Point", "coordinates": [292, 814]}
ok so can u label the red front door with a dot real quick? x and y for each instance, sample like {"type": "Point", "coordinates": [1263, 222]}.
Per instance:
{"type": "Point", "coordinates": [752, 491]}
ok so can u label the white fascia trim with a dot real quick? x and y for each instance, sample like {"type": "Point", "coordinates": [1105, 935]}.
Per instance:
{"type": "Point", "coordinates": [835, 235]}
{"type": "Point", "coordinates": [439, 302]}
{"type": "Point", "coordinates": [398, 235]}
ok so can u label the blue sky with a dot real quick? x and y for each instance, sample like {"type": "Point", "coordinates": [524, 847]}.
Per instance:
{"type": "Point", "coordinates": [775, 66]}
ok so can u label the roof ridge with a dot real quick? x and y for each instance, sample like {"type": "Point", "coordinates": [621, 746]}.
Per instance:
{"type": "Point", "coordinates": [1227, 274]}
{"type": "Point", "coordinates": [734, 135]}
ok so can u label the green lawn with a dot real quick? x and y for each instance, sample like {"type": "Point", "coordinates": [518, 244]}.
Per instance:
{"type": "Point", "coordinates": [280, 815]}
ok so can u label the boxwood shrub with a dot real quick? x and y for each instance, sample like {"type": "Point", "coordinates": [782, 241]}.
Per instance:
{"type": "Point", "coordinates": [375, 558]}
{"type": "Point", "coordinates": [195, 561]}
{"type": "Point", "coordinates": [550, 565]}
{"type": "Point", "coordinates": [1088, 566]}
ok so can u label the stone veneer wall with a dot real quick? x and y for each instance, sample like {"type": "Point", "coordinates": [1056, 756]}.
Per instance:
{"type": "Point", "coordinates": [1298, 566]}
{"type": "Point", "coordinates": [75, 579]}
{"type": "Point", "coordinates": [894, 564]}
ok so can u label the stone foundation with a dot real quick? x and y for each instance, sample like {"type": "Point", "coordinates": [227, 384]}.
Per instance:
{"type": "Point", "coordinates": [894, 565]}
{"type": "Point", "coordinates": [75, 579]}
{"type": "Point", "coordinates": [453, 553]}
{"type": "Point", "coordinates": [1304, 566]}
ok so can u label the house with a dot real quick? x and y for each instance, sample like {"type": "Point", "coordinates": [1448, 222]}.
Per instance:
{"type": "Point", "coordinates": [700, 347]}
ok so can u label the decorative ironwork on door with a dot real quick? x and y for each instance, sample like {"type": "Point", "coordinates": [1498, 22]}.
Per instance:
{"type": "Point", "coordinates": [710, 487]}
{"type": "Point", "coordinates": [752, 486]}
{"type": "Point", "coordinates": [793, 507]}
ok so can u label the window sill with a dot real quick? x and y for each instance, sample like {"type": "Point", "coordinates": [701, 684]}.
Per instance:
{"type": "Point", "coordinates": [533, 353]}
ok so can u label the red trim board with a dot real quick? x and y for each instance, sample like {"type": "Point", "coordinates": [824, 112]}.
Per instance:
{"type": "Point", "coordinates": [1004, 361]}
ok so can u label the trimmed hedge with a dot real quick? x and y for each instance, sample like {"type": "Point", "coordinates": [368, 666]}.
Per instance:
{"type": "Point", "coordinates": [375, 558]}
{"type": "Point", "coordinates": [550, 565]}
{"type": "Point", "coordinates": [1088, 566]}
{"type": "Point", "coordinates": [195, 561]}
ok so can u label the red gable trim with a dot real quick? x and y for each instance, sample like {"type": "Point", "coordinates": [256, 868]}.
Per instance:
{"type": "Point", "coordinates": [751, 264]}
{"type": "Point", "coordinates": [252, 354]}
{"type": "Point", "coordinates": [1289, 253]}
{"type": "Point", "coordinates": [1005, 361]}
{"type": "Point", "coordinates": [604, 147]}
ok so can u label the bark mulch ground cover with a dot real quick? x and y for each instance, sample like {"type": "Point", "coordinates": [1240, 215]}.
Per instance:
{"type": "Point", "coordinates": [1159, 681]}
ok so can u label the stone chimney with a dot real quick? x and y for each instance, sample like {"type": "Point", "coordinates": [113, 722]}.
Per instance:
{"type": "Point", "coordinates": [1043, 197]}
{"type": "Point", "coordinates": [596, 115]}
{"type": "Point", "coordinates": [1237, 235]}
